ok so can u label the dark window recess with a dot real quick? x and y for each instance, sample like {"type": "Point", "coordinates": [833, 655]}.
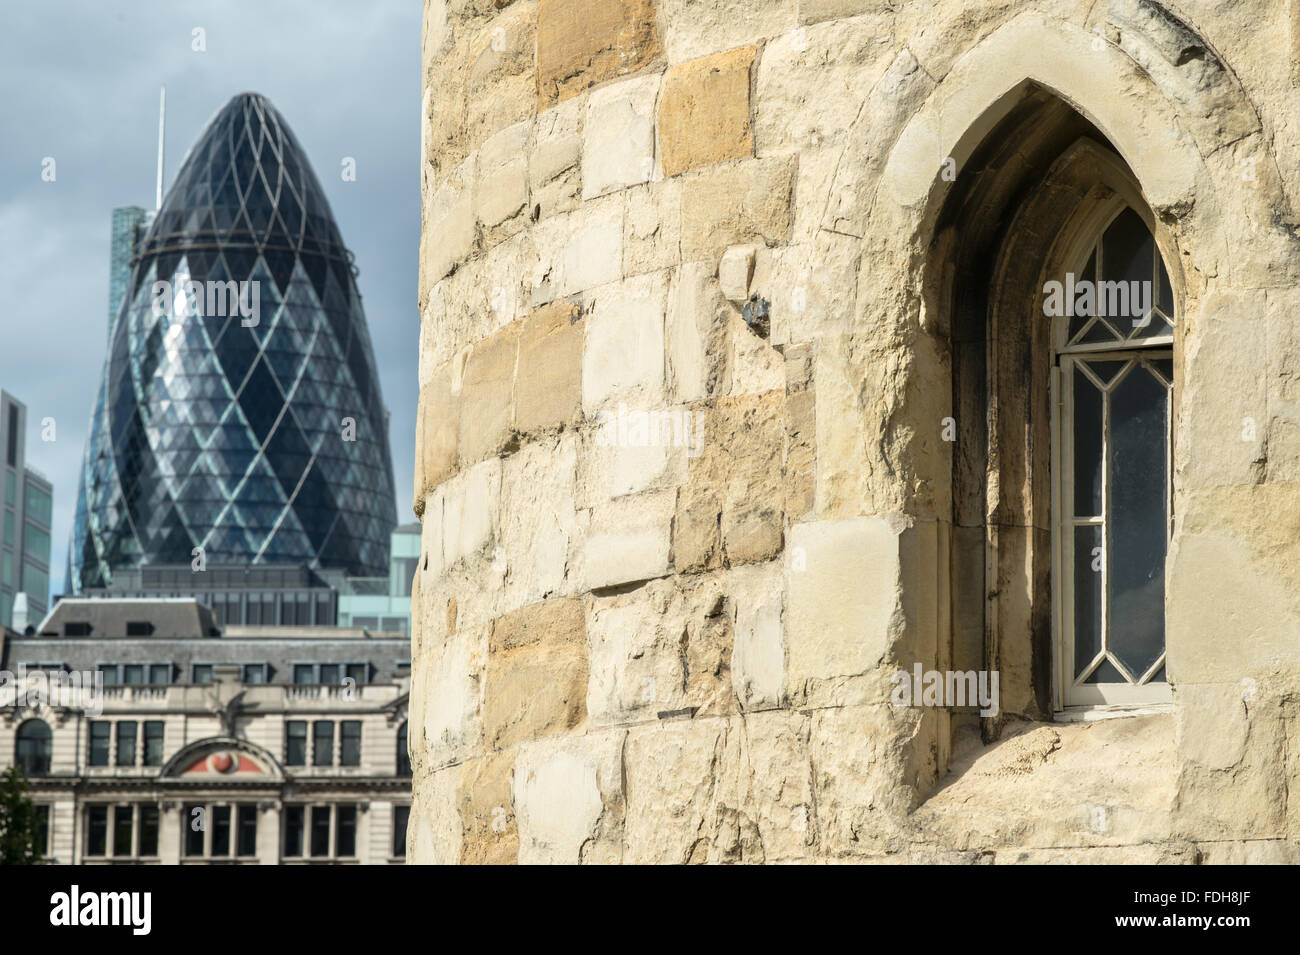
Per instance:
{"type": "Point", "coordinates": [110, 672]}
{"type": "Point", "coordinates": [403, 755]}
{"type": "Point", "coordinates": [100, 736]}
{"type": "Point", "coordinates": [139, 628]}
{"type": "Point", "coordinates": [293, 825]}
{"type": "Point", "coordinates": [12, 452]}
{"type": "Point", "coordinates": [320, 831]}
{"type": "Point", "coordinates": [194, 822]}
{"type": "Point", "coordinates": [360, 672]}
{"type": "Point", "coordinates": [201, 673]}
{"type": "Point", "coordinates": [295, 743]}
{"type": "Point", "coordinates": [400, 816]}
{"type": "Point", "coordinates": [322, 744]}
{"type": "Point", "coordinates": [345, 839]}
{"type": "Point", "coordinates": [153, 743]}
{"type": "Point", "coordinates": [160, 674]}
{"type": "Point", "coordinates": [246, 825]}
{"type": "Point", "coordinates": [133, 674]}
{"type": "Point", "coordinates": [33, 746]}
{"type": "Point", "coordinates": [303, 673]}
{"type": "Point", "coordinates": [220, 831]}
{"type": "Point", "coordinates": [350, 743]}
{"type": "Point", "coordinates": [96, 830]}
{"type": "Point", "coordinates": [148, 831]}
{"type": "Point", "coordinates": [329, 673]}
{"type": "Point", "coordinates": [43, 829]}
{"type": "Point", "coordinates": [77, 628]}
{"type": "Point", "coordinates": [123, 831]}
{"type": "Point", "coordinates": [126, 733]}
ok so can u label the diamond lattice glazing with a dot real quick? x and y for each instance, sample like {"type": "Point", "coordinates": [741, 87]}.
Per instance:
{"type": "Point", "coordinates": [210, 432]}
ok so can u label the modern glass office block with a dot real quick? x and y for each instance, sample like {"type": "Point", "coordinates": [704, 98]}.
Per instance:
{"type": "Point", "coordinates": [241, 414]}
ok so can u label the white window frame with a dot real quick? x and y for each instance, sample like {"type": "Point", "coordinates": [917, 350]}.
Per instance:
{"type": "Point", "coordinates": [1068, 696]}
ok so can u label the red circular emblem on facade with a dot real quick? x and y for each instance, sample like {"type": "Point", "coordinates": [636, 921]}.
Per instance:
{"type": "Point", "coordinates": [221, 762]}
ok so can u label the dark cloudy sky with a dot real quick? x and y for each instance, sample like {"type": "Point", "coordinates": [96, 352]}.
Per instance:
{"type": "Point", "coordinates": [79, 82]}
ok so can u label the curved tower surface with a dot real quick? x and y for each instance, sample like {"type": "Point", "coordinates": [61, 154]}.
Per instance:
{"type": "Point", "coordinates": [240, 408]}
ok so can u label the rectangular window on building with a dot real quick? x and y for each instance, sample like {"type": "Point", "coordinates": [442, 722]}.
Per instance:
{"type": "Point", "coordinates": [293, 826]}
{"type": "Point", "coordinates": [254, 673]}
{"type": "Point", "coordinates": [246, 825]}
{"type": "Point", "coordinates": [320, 831]}
{"type": "Point", "coordinates": [36, 581]}
{"type": "Point", "coordinates": [36, 541]}
{"type": "Point", "coordinates": [401, 814]}
{"type": "Point", "coordinates": [139, 628]}
{"type": "Point", "coordinates": [148, 832]}
{"type": "Point", "coordinates": [350, 743]}
{"type": "Point", "coordinates": [110, 671]}
{"type": "Point", "coordinates": [12, 453]}
{"type": "Point", "coordinates": [322, 743]}
{"type": "Point", "coordinates": [304, 673]}
{"type": "Point", "coordinates": [126, 732]}
{"type": "Point", "coordinates": [359, 672]}
{"type": "Point", "coordinates": [38, 504]}
{"type": "Point", "coordinates": [403, 574]}
{"type": "Point", "coordinates": [11, 488]}
{"type": "Point", "coordinates": [268, 609]}
{"type": "Point", "coordinates": [7, 570]}
{"type": "Point", "coordinates": [220, 823]}
{"type": "Point", "coordinates": [295, 743]}
{"type": "Point", "coordinates": [254, 611]}
{"type": "Point", "coordinates": [329, 673]}
{"type": "Point", "coordinates": [194, 821]}
{"type": "Point", "coordinates": [43, 829]}
{"type": "Point", "coordinates": [10, 536]}
{"type": "Point", "coordinates": [160, 674]}
{"type": "Point", "coordinates": [303, 613]}
{"type": "Point", "coordinates": [201, 673]}
{"type": "Point", "coordinates": [394, 625]}
{"type": "Point", "coordinates": [123, 831]}
{"type": "Point", "coordinates": [345, 837]}
{"type": "Point", "coordinates": [96, 830]}
{"type": "Point", "coordinates": [133, 674]}
{"type": "Point", "coordinates": [153, 742]}
{"type": "Point", "coordinates": [324, 611]}
{"type": "Point", "coordinates": [100, 733]}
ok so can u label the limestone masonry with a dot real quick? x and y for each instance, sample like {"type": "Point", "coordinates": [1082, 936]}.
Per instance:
{"type": "Point", "coordinates": [738, 397]}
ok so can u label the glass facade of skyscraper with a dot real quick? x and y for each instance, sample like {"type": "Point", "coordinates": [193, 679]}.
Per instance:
{"type": "Point", "coordinates": [240, 410]}
{"type": "Point", "coordinates": [27, 508]}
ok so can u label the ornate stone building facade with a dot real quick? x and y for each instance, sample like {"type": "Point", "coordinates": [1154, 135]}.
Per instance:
{"type": "Point", "coordinates": [781, 357]}
{"type": "Point", "coordinates": [238, 745]}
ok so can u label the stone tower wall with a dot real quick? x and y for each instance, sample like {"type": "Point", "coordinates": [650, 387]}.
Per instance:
{"type": "Point", "coordinates": [686, 503]}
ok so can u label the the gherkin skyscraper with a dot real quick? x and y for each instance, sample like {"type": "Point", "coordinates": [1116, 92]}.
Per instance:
{"type": "Point", "coordinates": [242, 418]}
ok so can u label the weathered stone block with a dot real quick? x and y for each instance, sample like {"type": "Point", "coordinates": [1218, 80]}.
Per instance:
{"type": "Point", "coordinates": [487, 396]}
{"type": "Point", "coordinates": [623, 356]}
{"type": "Point", "coordinates": [436, 439]}
{"type": "Point", "coordinates": [652, 229]}
{"type": "Point", "coordinates": [581, 43]}
{"type": "Point", "coordinates": [747, 201]}
{"type": "Point", "coordinates": [548, 383]}
{"type": "Point", "coordinates": [704, 111]}
{"type": "Point", "coordinates": [619, 132]}
{"type": "Point", "coordinates": [842, 595]}
{"type": "Point", "coordinates": [536, 673]}
{"type": "Point", "coordinates": [487, 817]}
{"type": "Point", "coordinates": [629, 540]}
{"type": "Point", "coordinates": [568, 797]}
